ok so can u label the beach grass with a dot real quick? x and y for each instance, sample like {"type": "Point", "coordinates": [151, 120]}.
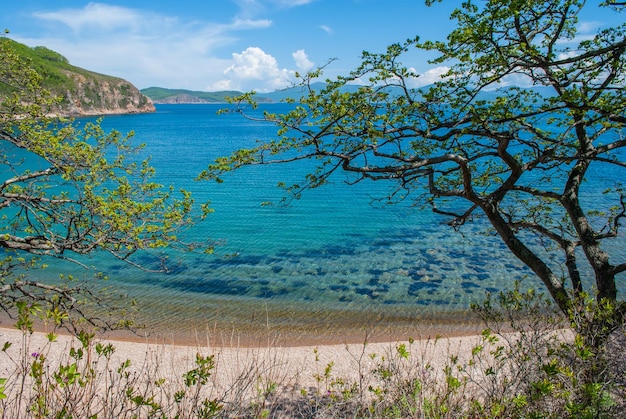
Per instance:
{"type": "Point", "coordinates": [527, 362]}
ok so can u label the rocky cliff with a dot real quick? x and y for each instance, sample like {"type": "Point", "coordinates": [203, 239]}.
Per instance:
{"type": "Point", "coordinates": [82, 92]}
{"type": "Point", "coordinates": [98, 96]}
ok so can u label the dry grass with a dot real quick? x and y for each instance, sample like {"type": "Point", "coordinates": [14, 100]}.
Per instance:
{"type": "Point", "coordinates": [129, 379]}
{"type": "Point", "coordinates": [523, 365]}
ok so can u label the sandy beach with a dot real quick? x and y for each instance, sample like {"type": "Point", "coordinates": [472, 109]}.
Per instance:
{"type": "Point", "coordinates": [128, 377]}
{"type": "Point", "coordinates": [294, 367]}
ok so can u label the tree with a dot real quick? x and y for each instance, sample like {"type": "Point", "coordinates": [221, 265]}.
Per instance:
{"type": "Point", "coordinates": [67, 191]}
{"type": "Point", "coordinates": [473, 146]}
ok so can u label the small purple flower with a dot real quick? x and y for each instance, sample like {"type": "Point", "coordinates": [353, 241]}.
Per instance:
{"type": "Point", "coordinates": [35, 354]}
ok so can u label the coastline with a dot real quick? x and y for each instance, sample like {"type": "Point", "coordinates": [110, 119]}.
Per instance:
{"type": "Point", "coordinates": [291, 329]}
{"type": "Point", "coordinates": [299, 338]}
{"type": "Point", "coordinates": [254, 335]}
{"type": "Point", "coordinates": [253, 325]}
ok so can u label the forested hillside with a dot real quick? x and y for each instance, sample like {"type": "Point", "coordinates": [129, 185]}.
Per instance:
{"type": "Point", "coordinates": [82, 92]}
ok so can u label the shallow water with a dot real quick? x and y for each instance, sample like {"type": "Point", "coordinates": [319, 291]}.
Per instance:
{"type": "Point", "coordinates": [333, 260]}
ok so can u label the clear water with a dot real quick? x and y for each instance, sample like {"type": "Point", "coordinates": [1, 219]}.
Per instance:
{"type": "Point", "coordinates": [333, 259]}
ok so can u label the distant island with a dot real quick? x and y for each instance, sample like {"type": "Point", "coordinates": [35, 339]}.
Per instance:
{"type": "Point", "coordinates": [162, 95]}
{"type": "Point", "coordinates": [82, 92]}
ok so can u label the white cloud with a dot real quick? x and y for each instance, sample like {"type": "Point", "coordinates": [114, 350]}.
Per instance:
{"type": "Point", "coordinates": [292, 3]}
{"type": "Point", "coordinates": [568, 54]}
{"type": "Point", "coordinates": [94, 16]}
{"type": "Point", "coordinates": [249, 7]}
{"type": "Point", "coordinates": [254, 64]}
{"type": "Point", "coordinates": [586, 31]}
{"type": "Point", "coordinates": [326, 29]}
{"type": "Point", "coordinates": [242, 24]}
{"type": "Point", "coordinates": [588, 26]}
{"type": "Point", "coordinates": [302, 61]}
{"type": "Point", "coordinates": [430, 76]}
{"type": "Point", "coordinates": [255, 7]}
{"type": "Point", "coordinates": [151, 49]}
{"type": "Point", "coordinates": [220, 85]}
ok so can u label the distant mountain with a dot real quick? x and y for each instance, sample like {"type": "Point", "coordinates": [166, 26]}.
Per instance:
{"type": "Point", "coordinates": [162, 95]}
{"type": "Point", "coordinates": [83, 92]}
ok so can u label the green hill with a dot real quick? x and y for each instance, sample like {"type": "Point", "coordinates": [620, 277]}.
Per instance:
{"type": "Point", "coordinates": [163, 95]}
{"type": "Point", "coordinates": [83, 92]}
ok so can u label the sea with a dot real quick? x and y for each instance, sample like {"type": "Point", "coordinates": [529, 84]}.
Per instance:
{"type": "Point", "coordinates": [340, 261]}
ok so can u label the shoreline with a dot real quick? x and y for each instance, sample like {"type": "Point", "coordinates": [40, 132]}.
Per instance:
{"type": "Point", "coordinates": [243, 326]}
{"type": "Point", "coordinates": [292, 330]}
{"type": "Point", "coordinates": [246, 326]}
{"type": "Point", "coordinates": [259, 339]}
{"type": "Point", "coordinates": [234, 337]}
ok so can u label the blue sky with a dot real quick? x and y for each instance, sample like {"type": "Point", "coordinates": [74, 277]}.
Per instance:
{"type": "Point", "coordinates": [230, 44]}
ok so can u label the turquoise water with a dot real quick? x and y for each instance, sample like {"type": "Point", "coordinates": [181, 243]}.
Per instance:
{"type": "Point", "coordinates": [335, 257]}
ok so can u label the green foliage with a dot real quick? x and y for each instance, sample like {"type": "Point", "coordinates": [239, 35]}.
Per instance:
{"type": "Point", "coordinates": [68, 191]}
{"type": "Point", "coordinates": [536, 367]}
{"type": "Point", "coordinates": [201, 374]}
{"type": "Point", "coordinates": [49, 55]}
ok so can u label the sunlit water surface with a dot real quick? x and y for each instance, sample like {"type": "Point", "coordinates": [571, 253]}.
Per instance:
{"type": "Point", "coordinates": [333, 263]}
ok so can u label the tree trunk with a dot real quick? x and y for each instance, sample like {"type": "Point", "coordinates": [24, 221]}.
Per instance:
{"type": "Point", "coordinates": [529, 258]}
{"type": "Point", "coordinates": [597, 258]}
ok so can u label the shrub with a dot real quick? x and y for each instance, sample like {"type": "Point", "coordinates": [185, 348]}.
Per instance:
{"type": "Point", "coordinates": [528, 362]}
